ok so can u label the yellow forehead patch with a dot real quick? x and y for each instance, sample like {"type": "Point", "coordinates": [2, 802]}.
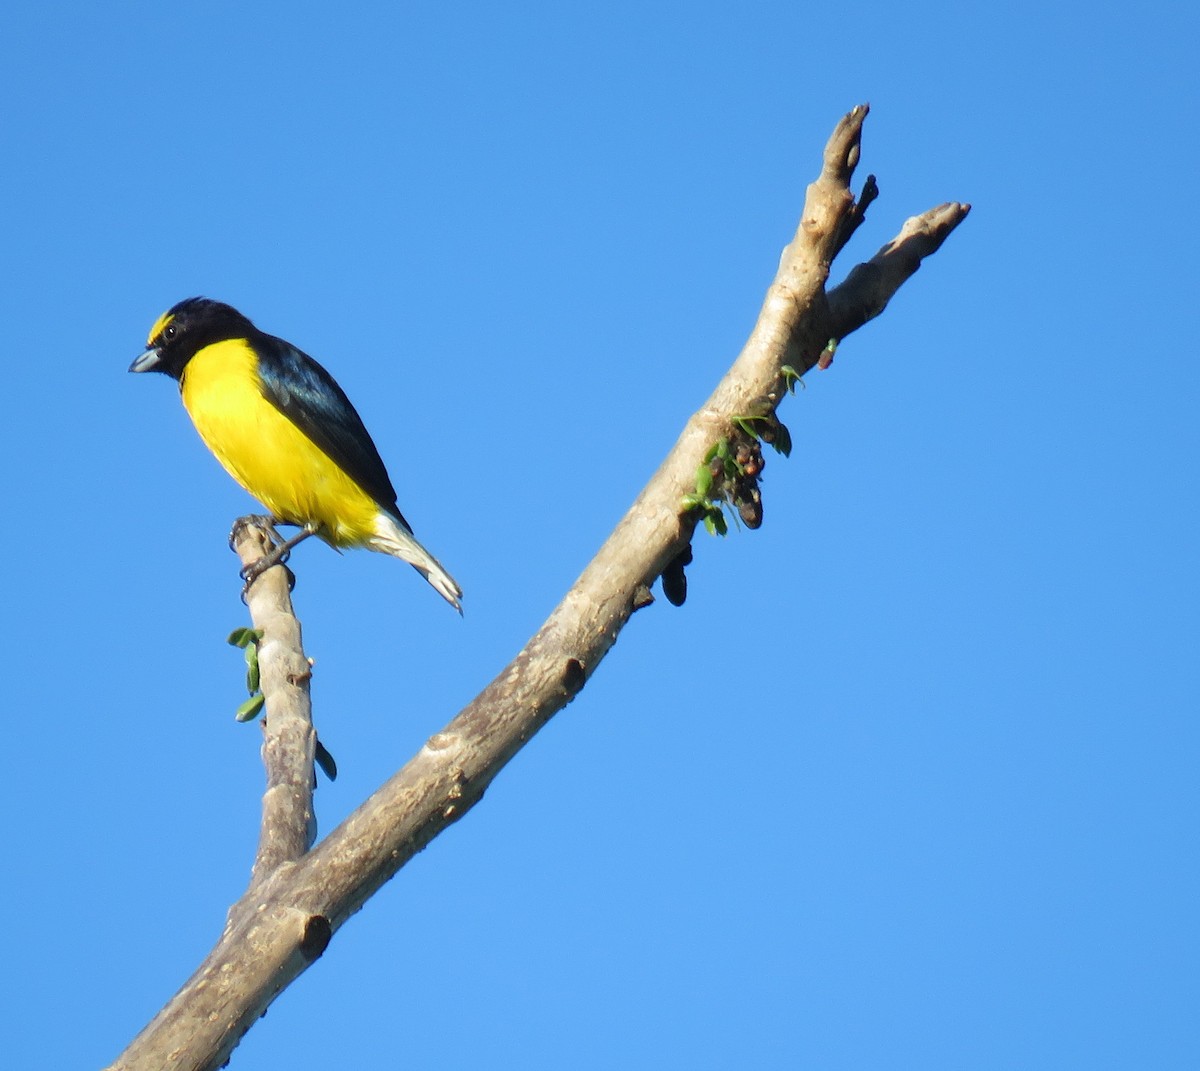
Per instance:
{"type": "Point", "coordinates": [160, 325]}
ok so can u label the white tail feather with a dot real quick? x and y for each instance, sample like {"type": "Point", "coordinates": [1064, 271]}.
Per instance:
{"type": "Point", "coordinates": [392, 537]}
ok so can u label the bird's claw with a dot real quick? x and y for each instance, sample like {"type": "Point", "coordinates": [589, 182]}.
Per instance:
{"type": "Point", "coordinates": [250, 573]}
{"type": "Point", "coordinates": [256, 568]}
{"type": "Point", "coordinates": [257, 520]}
{"type": "Point", "coordinates": [280, 552]}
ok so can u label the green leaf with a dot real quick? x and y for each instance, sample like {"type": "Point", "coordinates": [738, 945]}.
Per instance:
{"type": "Point", "coordinates": [746, 423]}
{"type": "Point", "coordinates": [783, 439]}
{"type": "Point", "coordinates": [252, 679]}
{"type": "Point", "coordinates": [704, 480]}
{"type": "Point", "coordinates": [790, 378]}
{"type": "Point", "coordinates": [243, 637]}
{"type": "Point", "coordinates": [251, 708]}
{"type": "Point", "coordinates": [714, 522]}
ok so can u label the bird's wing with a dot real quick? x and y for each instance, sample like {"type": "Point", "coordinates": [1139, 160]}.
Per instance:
{"type": "Point", "coordinates": [311, 399]}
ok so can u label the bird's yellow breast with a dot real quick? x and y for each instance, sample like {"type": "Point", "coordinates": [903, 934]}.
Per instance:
{"type": "Point", "coordinates": [265, 452]}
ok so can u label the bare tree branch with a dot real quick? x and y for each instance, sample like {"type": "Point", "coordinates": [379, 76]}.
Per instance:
{"type": "Point", "coordinates": [289, 741]}
{"type": "Point", "coordinates": [870, 286]}
{"type": "Point", "coordinates": [297, 900]}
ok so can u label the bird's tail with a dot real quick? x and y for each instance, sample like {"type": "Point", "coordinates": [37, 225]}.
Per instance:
{"type": "Point", "coordinates": [392, 536]}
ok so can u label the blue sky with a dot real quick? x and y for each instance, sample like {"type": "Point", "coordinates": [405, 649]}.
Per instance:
{"type": "Point", "coordinates": [911, 779]}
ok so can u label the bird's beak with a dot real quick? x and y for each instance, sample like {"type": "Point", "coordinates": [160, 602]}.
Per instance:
{"type": "Point", "coordinates": [147, 362]}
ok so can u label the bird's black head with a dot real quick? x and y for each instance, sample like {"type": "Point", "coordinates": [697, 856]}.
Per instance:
{"type": "Point", "coordinates": [186, 328]}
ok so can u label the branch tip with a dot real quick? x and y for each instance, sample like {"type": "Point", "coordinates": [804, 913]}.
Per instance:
{"type": "Point", "coordinates": [845, 146]}
{"type": "Point", "coordinates": [870, 191]}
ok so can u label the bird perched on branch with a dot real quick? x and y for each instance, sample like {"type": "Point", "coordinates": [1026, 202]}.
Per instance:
{"type": "Point", "coordinates": [284, 429]}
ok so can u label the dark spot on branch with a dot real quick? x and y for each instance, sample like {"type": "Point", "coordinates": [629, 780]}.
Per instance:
{"type": "Point", "coordinates": [674, 579]}
{"type": "Point", "coordinates": [574, 677]}
{"type": "Point", "coordinates": [317, 934]}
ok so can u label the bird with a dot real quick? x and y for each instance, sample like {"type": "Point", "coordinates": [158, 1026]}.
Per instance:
{"type": "Point", "coordinates": [281, 426]}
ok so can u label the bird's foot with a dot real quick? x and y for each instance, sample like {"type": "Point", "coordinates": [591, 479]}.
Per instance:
{"type": "Point", "coordinates": [277, 555]}
{"type": "Point", "coordinates": [254, 520]}
{"type": "Point", "coordinates": [256, 569]}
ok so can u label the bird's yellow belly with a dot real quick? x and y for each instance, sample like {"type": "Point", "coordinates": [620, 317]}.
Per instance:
{"type": "Point", "coordinates": [266, 453]}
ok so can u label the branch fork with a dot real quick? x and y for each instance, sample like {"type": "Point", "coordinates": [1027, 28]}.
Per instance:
{"type": "Point", "coordinates": [300, 894]}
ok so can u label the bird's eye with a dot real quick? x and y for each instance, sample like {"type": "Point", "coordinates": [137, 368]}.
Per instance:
{"type": "Point", "coordinates": [170, 331]}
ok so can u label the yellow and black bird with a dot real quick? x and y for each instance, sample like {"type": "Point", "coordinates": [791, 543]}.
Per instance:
{"type": "Point", "coordinates": [284, 429]}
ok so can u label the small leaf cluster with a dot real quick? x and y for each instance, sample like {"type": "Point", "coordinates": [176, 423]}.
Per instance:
{"type": "Point", "coordinates": [709, 495]}
{"type": "Point", "coordinates": [729, 474]}
{"type": "Point", "coordinates": [792, 379]}
{"type": "Point", "coordinates": [718, 466]}
{"type": "Point", "coordinates": [247, 639]}
{"type": "Point", "coordinates": [770, 429]}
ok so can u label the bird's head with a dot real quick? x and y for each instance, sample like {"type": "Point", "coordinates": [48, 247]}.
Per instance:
{"type": "Point", "coordinates": [186, 328]}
